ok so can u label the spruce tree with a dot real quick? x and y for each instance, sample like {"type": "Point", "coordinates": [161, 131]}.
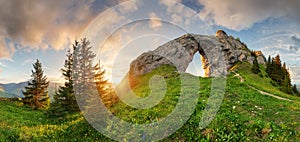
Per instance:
{"type": "Point", "coordinates": [84, 73]}
{"type": "Point", "coordinates": [277, 72]}
{"type": "Point", "coordinates": [64, 99]}
{"type": "Point", "coordinates": [100, 80]}
{"type": "Point", "coordinates": [255, 67]}
{"type": "Point", "coordinates": [36, 94]}
{"type": "Point", "coordinates": [280, 74]}
{"type": "Point", "coordinates": [295, 90]}
{"type": "Point", "coordinates": [105, 89]}
{"type": "Point", "coordinates": [89, 82]}
{"type": "Point", "coordinates": [268, 65]}
{"type": "Point", "coordinates": [277, 60]}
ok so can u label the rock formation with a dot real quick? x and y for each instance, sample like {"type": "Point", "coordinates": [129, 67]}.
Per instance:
{"type": "Point", "coordinates": [218, 54]}
{"type": "Point", "coordinates": [261, 59]}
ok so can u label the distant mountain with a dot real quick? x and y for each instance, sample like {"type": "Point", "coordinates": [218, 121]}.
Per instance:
{"type": "Point", "coordinates": [14, 90]}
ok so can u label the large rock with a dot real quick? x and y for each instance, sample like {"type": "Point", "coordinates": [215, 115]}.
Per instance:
{"type": "Point", "coordinates": [261, 59]}
{"type": "Point", "coordinates": [218, 53]}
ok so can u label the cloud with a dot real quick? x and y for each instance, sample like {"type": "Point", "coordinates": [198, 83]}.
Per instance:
{"type": "Point", "coordinates": [27, 61]}
{"type": "Point", "coordinates": [41, 24]}
{"type": "Point", "coordinates": [293, 48]}
{"type": "Point", "coordinates": [155, 21]}
{"type": "Point", "coordinates": [172, 5]}
{"type": "Point", "coordinates": [242, 14]}
{"type": "Point", "coordinates": [181, 12]}
{"type": "Point", "coordinates": [295, 74]}
{"type": "Point", "coordinates": [2, 65]}
{"type": "Point", "coordinates": [128, 6]}
{"type": "Point", "coordinates": [295, 40]}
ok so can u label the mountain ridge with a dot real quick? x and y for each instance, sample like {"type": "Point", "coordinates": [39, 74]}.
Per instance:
{"type": "Point", "coordinates": [14, 90]}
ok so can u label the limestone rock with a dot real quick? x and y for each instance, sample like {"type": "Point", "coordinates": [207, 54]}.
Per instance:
{"type": "Point", "coordinates": [221, 34]}
{"type": "Point", "coordinates": [261, 59]}
{"type": "Point", "coordinates": [178, 52]}
{"type": "Point", "coordinates": [219, 53]}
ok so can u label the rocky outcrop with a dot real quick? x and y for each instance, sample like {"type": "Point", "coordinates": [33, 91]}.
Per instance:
{"type": "Point", "coordinates": [261, 59]}
{"type": "Point", "coordinates": [178, 52]}
{"type": "Point", "coordinates": [218, 54]}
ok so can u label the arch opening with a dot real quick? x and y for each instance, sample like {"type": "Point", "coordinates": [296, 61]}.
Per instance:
{"type": "Point", "coordinates": [198, 66]}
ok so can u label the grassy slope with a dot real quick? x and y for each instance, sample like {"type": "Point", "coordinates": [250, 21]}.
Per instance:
{"type": "Point", "coordinates": [261, 82]}
{"type": "Point", "coordinates": [245, 115]}
{"type": "Point", "coordinates": [19, 123]}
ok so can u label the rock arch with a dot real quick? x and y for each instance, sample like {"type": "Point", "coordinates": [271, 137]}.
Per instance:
{"type": "Point", "coordinates": [219, 53]}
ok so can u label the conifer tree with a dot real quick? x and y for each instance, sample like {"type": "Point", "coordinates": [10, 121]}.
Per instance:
{"type": "Point", "coordinates": [268, 65]}
{"type": "Point", "coordinates": [36, 94]}
{"type": "Point", "coordinates": [89, 82]}
{"type": "Point", "coordinates": [277, 71]}
{"type": "Point", "coordinates": [280, 74]}
{"type": "Point", "coordinates": [277, 60]}
{"type": "Point", "coordinates": [255, 67]}
{"type": "Point", "coordinates": [105, 89]}
{"type": "Point", "coordinates": [295, 90]}
{"type": "Point", "coordinates": [84, 72]}
{"type": "Point", "coordinates": [64, 99]}
{"type": "Point", "coordinates": [100, 80]}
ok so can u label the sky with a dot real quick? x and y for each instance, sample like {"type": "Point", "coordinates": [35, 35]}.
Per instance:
{"type": "Point", "coordinates": [120, 30]}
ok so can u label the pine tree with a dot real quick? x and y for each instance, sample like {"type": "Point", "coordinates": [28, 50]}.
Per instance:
{"type": "Point", "coordinates": [280, 74]}
{"type": "Point", "coordinates": [84, 73]}
{"type": "Point", "coordinates": [255, 67]}
{"type": "Point", "coordinates": [277, 60]}
{"type": "Point", "coordinates": [295, 90]}
{"type": "Point", "coordinates": [100, 80]}
{"type": "Point", "coordinates": [276, 71]}
{"type": "Point", "coordinates": [36, 94]}
{"type": "Point", "coordinates": [64, 99]}
{"type": "Point", "coordinates": [105, 89]}
{"type": "Point", "coordinates": [268, 65]}
{"type": "Point", "coordinates": [89, 81]}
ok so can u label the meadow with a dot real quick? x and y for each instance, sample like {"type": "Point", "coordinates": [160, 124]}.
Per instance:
{"type": "Point", "coordinates": [245, 113]}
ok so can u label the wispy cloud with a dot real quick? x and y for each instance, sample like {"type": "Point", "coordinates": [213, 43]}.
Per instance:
{"type": "Point", "coordinates": [155, 21]}
{"type": "Point", "coordinates": [296, 42]}
{"type": "Point", "coordinates": [128, 5]}
{"type": "Point", "coordinates": [295, 74]}
{"type": "Point", "coordinates": [28, 61]}
{"type": "Point", "coordinates": [172, 5]}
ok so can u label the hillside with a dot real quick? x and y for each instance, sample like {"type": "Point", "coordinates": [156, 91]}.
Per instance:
{"type": "Point", "coordinates": [245, 113]}
{"type": "Point", "coordinates": [14, 90]}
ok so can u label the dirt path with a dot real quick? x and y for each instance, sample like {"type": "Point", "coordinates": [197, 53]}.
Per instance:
{"type": "Point", "coordinates": [260, 91]}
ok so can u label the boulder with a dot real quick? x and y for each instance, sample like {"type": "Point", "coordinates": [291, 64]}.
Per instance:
{"type": "Point", "coordinates": [261, 59]}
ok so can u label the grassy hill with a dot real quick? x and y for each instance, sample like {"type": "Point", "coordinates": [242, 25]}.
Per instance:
{"type": "Point", "coordinates": [245, 113]}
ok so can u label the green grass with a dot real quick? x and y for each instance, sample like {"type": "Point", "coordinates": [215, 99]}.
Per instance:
{"type": "Point", "coordinates": [261, 81]}
{"type": "Point", "coordinates": [19, 123]}
{"type": "Point", "coordinates": [245, 114]}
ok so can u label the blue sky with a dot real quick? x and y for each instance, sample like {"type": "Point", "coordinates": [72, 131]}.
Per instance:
{"type": "Point", "coordinates": [120, 30]}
